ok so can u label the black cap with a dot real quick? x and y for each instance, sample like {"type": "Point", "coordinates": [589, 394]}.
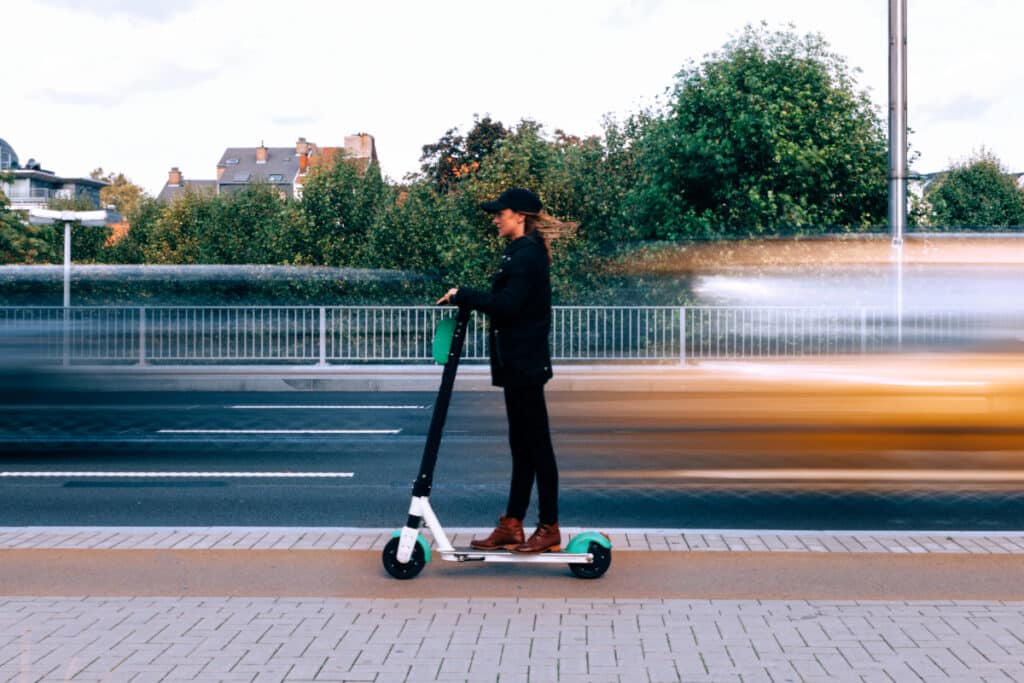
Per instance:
{"type": "Point", "coordinates": [516, 199]}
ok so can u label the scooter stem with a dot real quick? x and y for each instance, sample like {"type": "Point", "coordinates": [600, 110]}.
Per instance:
{"type": "Point", "coordinates": [425, 479]}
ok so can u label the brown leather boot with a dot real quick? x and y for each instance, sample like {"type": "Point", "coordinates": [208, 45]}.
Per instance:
{"type": "Point", "coordinates": [508, 534]}
{"type": "Point", "coordinates": [547, 538]}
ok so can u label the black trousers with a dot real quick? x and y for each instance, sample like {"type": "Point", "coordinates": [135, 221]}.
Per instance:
{"type": "Point", "coordinates": [533, 457]}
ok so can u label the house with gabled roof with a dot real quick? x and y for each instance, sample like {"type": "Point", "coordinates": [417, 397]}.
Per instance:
{"type": "Point", "coordinates": [177, 184]}
{"type": "Point", "coordinates": [285, 168]}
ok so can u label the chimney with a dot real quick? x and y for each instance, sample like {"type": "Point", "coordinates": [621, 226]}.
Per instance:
{"type": "Point", "coordinates": [261, 154]}
{"type": "Point", "coordinates": [301, 148]}
{"type": "Point", "coordinates": [174, 178]}
{"type": "Point", "coordinates": [361, 146]}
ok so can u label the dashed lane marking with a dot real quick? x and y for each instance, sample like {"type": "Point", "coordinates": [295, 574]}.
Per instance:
{"type": "Point", "coordinates": [178, 475]}
{"type": "Point", "coordinates": [326, 407]}
{"type": "Point", "coordinates": [278, 431]}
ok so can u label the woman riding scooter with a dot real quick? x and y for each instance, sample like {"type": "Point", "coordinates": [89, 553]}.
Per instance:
{"type": "Point", "coordinates": [519, 307]}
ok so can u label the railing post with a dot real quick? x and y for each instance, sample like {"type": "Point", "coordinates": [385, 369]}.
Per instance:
{"type": "Point", "coordinates": [142, 336]}
{"type": "Point", "coordinates": [66, 338]}
{"type": "Point", "coordinates": [682, 336]}
{"type": "Point", "coordinates": [323, 336]}
{"type": "Point", "coordinates": [863, 330]}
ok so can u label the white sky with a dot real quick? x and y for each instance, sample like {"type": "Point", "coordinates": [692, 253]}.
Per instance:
{"type": "Point", "coordinates": [138, 86]}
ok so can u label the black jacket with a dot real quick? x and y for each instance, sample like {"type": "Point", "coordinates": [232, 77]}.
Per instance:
{"type": "Point", "coordinates": [519, 306]}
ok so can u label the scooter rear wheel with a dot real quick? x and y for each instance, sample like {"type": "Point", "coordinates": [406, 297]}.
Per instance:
{"type": "Point", "coordinates": [408, 570]}
{"type": "Point", "coordinates": [596, 569]}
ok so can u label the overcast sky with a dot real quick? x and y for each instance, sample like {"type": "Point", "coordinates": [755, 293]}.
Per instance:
{"type": "Point", "coordinates": [139, 86]}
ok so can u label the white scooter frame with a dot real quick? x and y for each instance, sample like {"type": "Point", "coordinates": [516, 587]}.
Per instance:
{"type": "Point", "coordinates": [588, 554]}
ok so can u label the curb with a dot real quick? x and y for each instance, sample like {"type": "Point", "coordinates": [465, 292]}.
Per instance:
{"type": "Point", "coordinates": [358, 538]}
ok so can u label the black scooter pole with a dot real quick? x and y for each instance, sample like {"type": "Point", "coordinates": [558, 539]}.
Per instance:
{"type": "Point", "coordinates": [425, 479]}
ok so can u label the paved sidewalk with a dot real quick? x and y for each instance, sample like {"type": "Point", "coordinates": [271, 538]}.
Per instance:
{"type": "Point", "coordinates": [138, 639]}
{"type": "Point", "coordinates": [146, 639]}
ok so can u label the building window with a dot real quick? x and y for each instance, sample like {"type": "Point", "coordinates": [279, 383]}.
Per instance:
{"type": "Point", "coordinates": [231, 162]}
{"type": "Point", "coordinates": [275, 177]}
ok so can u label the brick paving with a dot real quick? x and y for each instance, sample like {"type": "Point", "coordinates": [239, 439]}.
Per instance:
{"type": "Point", "coordinates": [280, 639]}
{"type": "Point", "coordinates": [139, 639]}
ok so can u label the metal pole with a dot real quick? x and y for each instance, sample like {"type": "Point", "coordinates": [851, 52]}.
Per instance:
{"type": "Point", "coordinates": [897, 119]}
{"type": "Point", "coordinates": [142, 335]}
{"type": "Point", "coordinates": [898, 144]}
{"type": "Point", "coordinates": [67, 264]}
{"type": "Point", "coordinates": [323, 336]}
{"type": "Point", "coordinates": [899, 299]}
{"type": "Point", "coordinates": [682, 336]}
{"type": "Point", "coordinates": [66, 356]}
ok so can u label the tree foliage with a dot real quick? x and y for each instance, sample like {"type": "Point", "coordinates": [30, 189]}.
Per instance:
{"type": "Point", "coordinates": [20, 242]}
{"type": "Point", "coordinates": [121, 193]}
{"type": "Point", "coordinates": [454, 158]}
{"type": "Point", "coordinates": [977, 194]}
{"type": "Point", "coordinates": [340, 203]}
{"type": "Point", "coordinates": [765, 137]}
{"type": "Point", "coordinates": [253, 225]}
{"type": "Point", "coordinates": [130, 249]}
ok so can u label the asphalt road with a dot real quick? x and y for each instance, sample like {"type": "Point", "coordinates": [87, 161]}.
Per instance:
{"type": "Point", "coordinates": [649, 460]}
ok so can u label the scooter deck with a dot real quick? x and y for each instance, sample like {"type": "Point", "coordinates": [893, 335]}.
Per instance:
{"type": "Point", "coordinates": [473, 555]}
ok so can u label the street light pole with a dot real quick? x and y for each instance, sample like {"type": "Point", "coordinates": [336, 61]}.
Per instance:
{"type": "Point", "coordinates": [50, 216]}
{"type": "Point", "coordinates": [897, 119]}
{"type": "Point", "coordinates": [898, 145]}
{"type": "Point", "coordinates": [67, 264]}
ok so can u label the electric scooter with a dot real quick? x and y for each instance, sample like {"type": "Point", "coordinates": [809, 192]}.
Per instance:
{"type": "Point", "coordinates": [588, 554]}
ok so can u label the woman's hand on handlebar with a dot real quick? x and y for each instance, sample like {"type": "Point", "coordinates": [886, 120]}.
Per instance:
{"type": "Point", "coordinates": [447, 298]}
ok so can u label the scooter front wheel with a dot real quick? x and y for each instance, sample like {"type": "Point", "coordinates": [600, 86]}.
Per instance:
{"type": "Point", "coordinates": [399, 570]}
{"type": "Point", "coordinates": [597, 568]}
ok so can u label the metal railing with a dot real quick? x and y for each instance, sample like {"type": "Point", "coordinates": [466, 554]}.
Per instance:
{"type": "Point", "coordinates": [323, 335]}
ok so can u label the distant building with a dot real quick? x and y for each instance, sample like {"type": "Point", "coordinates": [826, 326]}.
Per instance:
{"type": "Point", "coordinates": [176, 185]}
{"type": "Point", "coordinates": [34, 187]}
{"type": "Point", "coordinates": [8, 159]}
{"type": "Point", "coordinates": [285, 168]}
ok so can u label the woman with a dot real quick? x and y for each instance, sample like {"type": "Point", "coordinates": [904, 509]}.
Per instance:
{"type": "Point", "coordinates": [519, 307]}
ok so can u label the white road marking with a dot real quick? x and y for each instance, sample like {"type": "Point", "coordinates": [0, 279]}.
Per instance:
{"type": "Point", "coordinates": [278, 431]}
{"type": "Point", "coordinates": [190, 475]}
{"type": "Point", "coordinates": [329, 407]}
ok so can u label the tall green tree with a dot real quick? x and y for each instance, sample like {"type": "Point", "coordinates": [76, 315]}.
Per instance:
{"type": "Point", "coordinates": [340, 203]}
{"type": "Point", "coordinates": [454, 158]}
{"type": "Point", "coordinates": [177, 235]}
{"type": "Point", "coordinates": [768, 136]}
{"type": "Point", "coordinates": [254, 225]}
{"type": "Point", "coordinates": [601, 172]}
{"type": "Point", "coordinates": [121, 193]}
{"type": "Point", "coordinates": [978, 194]}
{"type": "Point", "coordinates": [131, 248]}
{"type": "Point", "coordinates": [429, 235]}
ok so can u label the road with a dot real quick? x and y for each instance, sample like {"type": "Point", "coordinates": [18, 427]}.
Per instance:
{"type": "Point", "coordinates": [801, 458]}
